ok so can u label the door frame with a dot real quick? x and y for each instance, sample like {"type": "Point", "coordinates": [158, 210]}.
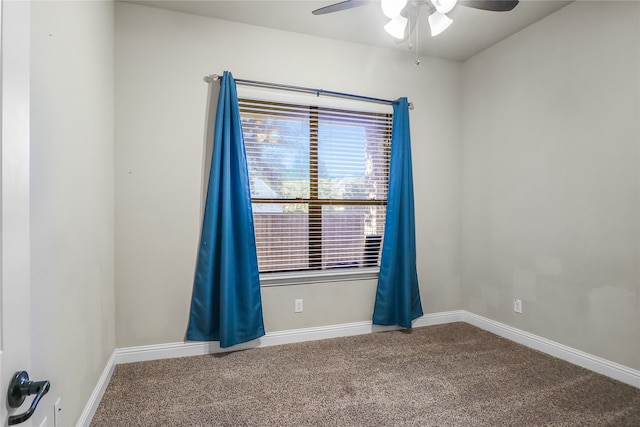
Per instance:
{"type": "Point", "coordinates": [15, 284]}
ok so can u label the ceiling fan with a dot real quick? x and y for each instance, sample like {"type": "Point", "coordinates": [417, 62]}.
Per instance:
{"type": "Point", "coordinates": [401, 11]}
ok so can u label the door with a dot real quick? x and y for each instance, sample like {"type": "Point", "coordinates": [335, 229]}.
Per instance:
{"type": "Point", "coordinates": [15, 329]}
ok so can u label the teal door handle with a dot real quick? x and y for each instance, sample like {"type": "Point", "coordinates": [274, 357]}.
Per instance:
{"type": "Point", "coordinates": [19, 388]}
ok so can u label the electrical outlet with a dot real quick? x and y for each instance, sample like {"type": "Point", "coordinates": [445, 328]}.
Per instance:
{"type": "Point", "coordinates": [297, 306]}
{"type": "Point", "coordinates": [57, 413]}
{"type": "Point", "coordinates": [517, 305]}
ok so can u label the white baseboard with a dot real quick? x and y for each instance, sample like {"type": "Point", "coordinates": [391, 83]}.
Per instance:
{"type": "Point", "coordinates": [577, 357]}
{"type": "Point", "coordinates": [184, 349]}
{"type": "Point", "coordinates": [95, 398]}
{"type": "Point", "coordinates": [439, 318]}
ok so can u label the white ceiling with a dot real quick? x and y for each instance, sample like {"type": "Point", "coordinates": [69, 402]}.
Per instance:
{"type": "Point", "coordinates": [472, 31]}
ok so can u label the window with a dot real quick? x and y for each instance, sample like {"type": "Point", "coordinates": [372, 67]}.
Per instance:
{"type": "Point", "coordinates": [319, 179]}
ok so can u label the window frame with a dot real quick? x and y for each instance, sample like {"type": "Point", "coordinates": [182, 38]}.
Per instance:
{"type": "Point", "coordinates": [315, 273]}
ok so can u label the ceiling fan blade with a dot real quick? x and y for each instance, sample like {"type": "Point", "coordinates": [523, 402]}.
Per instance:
{"type": "Point", "coordinates": [337, 7]}
{"type": "Point", "coordinates": [491, 5]}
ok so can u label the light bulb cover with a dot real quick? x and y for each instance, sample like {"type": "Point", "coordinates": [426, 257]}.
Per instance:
{"type": "Point", "coordinates": [444, 6]}
{"type": "Point", "coordinates": [392, 8]}
{"type": "Point", "coordinates": [397, 26]}
{"type": "Point", "coordinates": [438, 23]}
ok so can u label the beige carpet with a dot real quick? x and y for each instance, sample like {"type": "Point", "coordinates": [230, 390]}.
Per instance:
{"type": "Point", "coordinates": [446, 375]}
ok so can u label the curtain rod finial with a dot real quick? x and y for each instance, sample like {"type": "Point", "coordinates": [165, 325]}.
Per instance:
{"type": "Point", "coordinates": [211, 78]}
{"type": "Point", "coordinates": [411, 106]}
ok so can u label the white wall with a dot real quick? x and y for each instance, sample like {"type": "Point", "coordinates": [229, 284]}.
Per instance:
{"type": "Point", "coordinates": [72, 199]}
{"type": "Point", "coordinates": [551, 180]}
{"type": "Point", "coordinates": [161, 58]}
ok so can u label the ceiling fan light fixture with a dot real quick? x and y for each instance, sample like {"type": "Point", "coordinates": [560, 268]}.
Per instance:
{"type": "Point", "coordinates": [444, 6]}
{"type": "Point", "coordinates": [397, 26]}
{"type": "Point", "coordinates": [392, 8]}
{"type": "Point", "coordinates": [438, 23]}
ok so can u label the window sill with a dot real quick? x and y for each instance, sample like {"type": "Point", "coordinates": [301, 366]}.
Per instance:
{"type": "Point", "coordinates": [299, 278]}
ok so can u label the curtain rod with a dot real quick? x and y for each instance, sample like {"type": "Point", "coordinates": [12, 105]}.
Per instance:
{"type": "Point", "coordinates": [215, 77]}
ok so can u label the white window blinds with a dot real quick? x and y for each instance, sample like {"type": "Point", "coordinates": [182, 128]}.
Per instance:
{"type": "Point", "coordinates": [319, 180]}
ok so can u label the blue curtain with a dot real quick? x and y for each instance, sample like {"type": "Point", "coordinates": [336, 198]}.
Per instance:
{"type": "Point", "coordinates": [398, 295]}
{"type": "Point", "coordinates": [226, 305]}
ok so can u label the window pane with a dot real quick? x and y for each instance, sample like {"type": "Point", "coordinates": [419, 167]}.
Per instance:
{"type": "Point", "coordinates": [282, 237]}
{"type": "Point", "coordinates": [351, 235]}
{"type": "Point", "coordinates": [277, 155]}
{"type": "Point", "coordinates": [352, 159]}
